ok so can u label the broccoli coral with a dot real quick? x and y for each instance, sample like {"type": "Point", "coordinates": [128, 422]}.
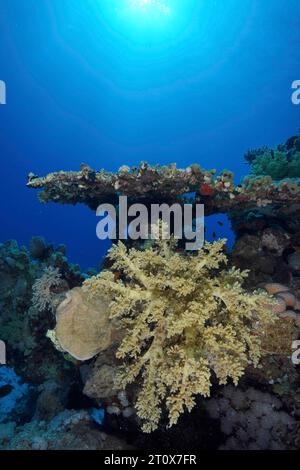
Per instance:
{"type": "Point", "coordinates": [185, 316]}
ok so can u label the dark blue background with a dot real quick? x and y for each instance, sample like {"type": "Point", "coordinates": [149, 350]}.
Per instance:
{"type": "Point", "coordinates": [83, 87]}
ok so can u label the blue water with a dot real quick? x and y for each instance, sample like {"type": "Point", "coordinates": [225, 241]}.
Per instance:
{"type": "Point", "coordinates": [100, 82]}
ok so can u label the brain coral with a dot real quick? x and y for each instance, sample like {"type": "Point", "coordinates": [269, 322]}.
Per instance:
{"type": "Point", "coordinates": [83, 327]}
{"type": "Point", "coordinates": [185, 316]}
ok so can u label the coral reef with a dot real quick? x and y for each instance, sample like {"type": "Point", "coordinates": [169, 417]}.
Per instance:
{"type": "Point", "coordinates": [25, 315]}
{"type": "Point", "coordinates": [99, 378]}
{"type": "Point", "coordinates": [277, 165]}
{"type": "Point", "coordinates": [38, 248]}
{"type": "Point", "coordinates": [169, 327]}
{"type": "Point", "coordinates": [286, 302]}
{"type": "Point", "coordinates": [268, 236]}
{"type": "Point", "coordinates": [168, 184]}
{"type": "Point", "coordinates": [282, 162]}
{"type": "Point", "coordinates": [92, 188]}
{"type": "Point", "coordinates": [268, 244]}
{"type": "Point", "coordinates": [185, 316]}
{"type": "Point", "coordinates": [52, 399]}
{"type": "Point", "coordinates": [43, 289]}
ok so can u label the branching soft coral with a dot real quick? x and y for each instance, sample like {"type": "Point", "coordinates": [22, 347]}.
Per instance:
{"type": "Point", "coordinates": [185, 316]}
{"type": "Point", "coordinates": [42, 298]}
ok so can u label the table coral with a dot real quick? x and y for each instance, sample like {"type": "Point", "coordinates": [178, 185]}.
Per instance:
{"type": "Point", "coordinates": [277, 165]}
{"type": "Point", "coordinates": [83, 328]}
{"type": "Point", "coordinates": [14, 395]}
{"type": "Point", "coordinates": [185, 317]}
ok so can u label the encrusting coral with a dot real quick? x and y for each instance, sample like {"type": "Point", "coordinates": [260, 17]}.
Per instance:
{"type": "Point", "coordinates": [185, 316]}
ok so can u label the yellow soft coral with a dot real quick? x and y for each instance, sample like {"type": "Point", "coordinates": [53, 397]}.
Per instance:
{"type": "Point", "coordinates": [185, 316]}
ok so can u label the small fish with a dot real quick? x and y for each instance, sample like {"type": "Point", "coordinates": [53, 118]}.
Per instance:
{"type": "Point", "coordinates": [220, 223]}
{"type": "Point", "coordinates": [214, 235]}
{"type": "Point", "coordinates": [117, 275]}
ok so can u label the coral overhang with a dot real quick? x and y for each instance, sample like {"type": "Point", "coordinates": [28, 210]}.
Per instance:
{"type": "Point", "coordinates": [169, 184]}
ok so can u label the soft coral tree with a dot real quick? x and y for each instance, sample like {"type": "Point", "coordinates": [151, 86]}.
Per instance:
{"type": "Point", "coordinates": [185, 315]}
